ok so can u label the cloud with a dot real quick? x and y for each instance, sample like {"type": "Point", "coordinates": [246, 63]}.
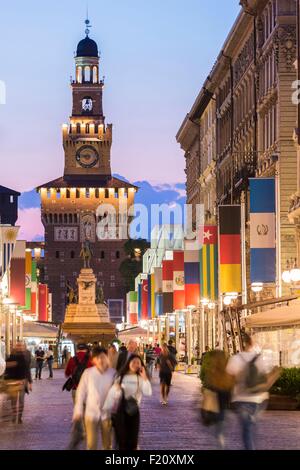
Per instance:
{"type": "Point", "coordinates": [148, 194]}
{"type": "Point", "coordinates": [31, 226]}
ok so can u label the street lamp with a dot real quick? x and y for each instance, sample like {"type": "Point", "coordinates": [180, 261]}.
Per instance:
{"type": "Point", "coordinates": [292, 273]}
{"type": "Point", "coordinates": [257, 287]}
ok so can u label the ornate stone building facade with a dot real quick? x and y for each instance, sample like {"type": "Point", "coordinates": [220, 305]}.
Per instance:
{"type": "Point", "coordinates": [249, 90]}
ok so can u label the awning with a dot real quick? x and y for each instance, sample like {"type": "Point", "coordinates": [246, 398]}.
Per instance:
{"type": "Point", "coordinates": [39, 330]}
{"type": "Point", "coordinates": [277, 317]}
{"type": "Point", "coordinates": [132, 333]}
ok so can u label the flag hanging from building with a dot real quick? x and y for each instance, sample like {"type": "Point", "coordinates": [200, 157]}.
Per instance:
{"type": "Point", "coordinates": [28, 274]}
{"type": "Point", "coordinates": [209, 263]}
{"type": "Point", "coordinates": [145, 299]}
{"type": "Point", "coordinates": [153, 311]}
{"type": "Point", "coordinates": [149, 296]}
{"type": "Point", "coordinates": [158, 291]}
{"type": "Point", "coordinates": [262, 230]}
{"type": "Point", "coordinates": [8, 236]}
{"type": "Point", "coordinates": [43, 302]}
{"type": "Point", "coordinates": [139, 292]}
{"type": "Point", "coordinates": [167, 281]}
{"type": "Point", "coordinates": [191, 274]}
{"type": "Point", "coordinates": [178, 280]}
{"type": "Point", "coordinates": [34, 288]}
{"type": "Point", "coordinates": [17, 273]}
{"type": "Point", "coordinates": [132, 299]}
{"type": "Point", "coordinates": [230, 248]}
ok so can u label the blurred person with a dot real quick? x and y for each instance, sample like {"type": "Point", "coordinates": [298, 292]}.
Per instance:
{"type": "Point", "coordinates": [18, 380]}
{"type": "Point", "coordinates": [217, 386]}
{"type": "Point", "coordinates": [39, 361]}
{"type": "Point", "coordinates": [172, 348]}
{"type": "Point", "coordinates": [166, 363]}
{"type": "Point", "coordinates": [253, 379]}
{"type": "Point", "coordinates": [50, 360]}
{"type": "Point", "coordinates": [157, 352]}
{"type": "Point", "coordinates": [113, 356]}
{"type": "Point", "coordinates": [64, 355]}
{"type": "Point", "coordinates": [125, 355]}
{"type": "Point", "coordinates": [123, 402]}
{"type": "Point", "coordinates": [77, 365]}
{"type": "Point", "coordinates": [123, 347]}
{"type": "Point", "coordinates": [150, 360]}
{"type": "Point", "coordinates": [91, 393]}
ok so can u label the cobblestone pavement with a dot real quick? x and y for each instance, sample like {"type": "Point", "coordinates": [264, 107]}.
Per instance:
{"type": "Point", "coordinates": [48, 410]}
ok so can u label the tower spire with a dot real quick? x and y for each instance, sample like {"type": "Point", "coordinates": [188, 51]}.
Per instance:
{"type": "Point", "coordinates": [87, 21]}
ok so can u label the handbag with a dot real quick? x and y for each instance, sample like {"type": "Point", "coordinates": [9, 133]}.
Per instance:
{"type": "Point", "coordinates": [68, 385]}
{"type": "Point", "coordinates": [131, 406]}
{"type": "Point", "coordinates": [210, 407]}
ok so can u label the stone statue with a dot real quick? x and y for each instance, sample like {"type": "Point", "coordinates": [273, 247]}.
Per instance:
{"type": "Point", "coordinates": [99, 295]}
{"type": "Point", "coordinates": [86, 254]}
{"type": "Point", "coordinates": [71, 294]}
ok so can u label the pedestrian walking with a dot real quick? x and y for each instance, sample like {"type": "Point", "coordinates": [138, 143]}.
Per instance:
{"type": "Point", "coordinates": [124, 355]}
{"type": "Point", "coordinates": [91, 394]}
{"type": "Point", "coordinates": [64, 355]}
{"type": "Point", "coordinates": [166, 364]}
{"type": "Point", "coordinates": [50, 360]}
{"type": "Point", "coordinates": [76, 366]}
{"type": "Point", "coordinates": [157, 352]}
{"type": "Point", "coordinates": [18, 380]}
{"type": "Point", "coordinates": [150, 360]}
{"type": "Point", "coordinates": [217, 386]}
{"type": "Point", "coordinates": [253, 379]}
{"type": "Point", "coordinates": [123, 402]}
{"type": "Point", "coordinates": [123, 347]}
{"type": "Point", "coordinates": [172, 348]}
{"type": "Point", "coordinates": [113, 356]}
{"type": "Point", "coordinates": [39, 361]}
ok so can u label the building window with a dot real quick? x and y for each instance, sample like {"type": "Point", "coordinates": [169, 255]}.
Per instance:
{"type": "Point", "coordinates": [77, 194]}
{"type": "Point", "coordinates": [112, 277]}
{"type": "Point", "coordinates": [74, 274]}
{"type": "Point", "coordinates": [96, 128]}
{"type": "Point", "coordinates": [106, 194]}
{"type": "Point", "coordinates": [112, 284]}
{"type": "Point", "coordinates": [87, 128]}
{"type": "Point", "coordinates": [102, 255]}
{"type": "Point", "coordinates": [11, 199]}
{"type": "Point", "coordinates": [68, 194]}
{"type": "Point", "coordinates": [78, 130]}
{"type": "Point", "coordinates": [55, 218]}
{"type": "Point", "coordinates": [72, 254]}
{"type": "Point", "coordinates": [117, 254]}
{"type": "Point", "coordinates": [57, 254]}
{"type": "Point", "coordinates": [87, 193]}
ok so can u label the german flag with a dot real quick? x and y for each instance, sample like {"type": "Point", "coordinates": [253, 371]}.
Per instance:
{"type": "Point", "coordinates": [209, 263]}
{"type": "Point", "coordinates": [230, 248]}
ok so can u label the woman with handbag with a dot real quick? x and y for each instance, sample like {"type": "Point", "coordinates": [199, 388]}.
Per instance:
{"type": "Point", "coordinates": [123, 402]}
{"type": "Point", "coordinates": [217, 387]}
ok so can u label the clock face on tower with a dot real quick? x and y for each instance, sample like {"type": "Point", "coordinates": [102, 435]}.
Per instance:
{"type": "Point", "coordinates": [87, 104]}
{"type": "Point", "coordinates": [87, 156]}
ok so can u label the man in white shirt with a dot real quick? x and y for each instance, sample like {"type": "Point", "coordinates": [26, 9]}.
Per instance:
{"type": "Point", "coordinates": [249, 401]}
{"type": "Point", "coordinates": [91, 393]}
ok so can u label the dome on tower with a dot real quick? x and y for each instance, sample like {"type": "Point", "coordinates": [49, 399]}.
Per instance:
{"type": "Point", "coordinates": [87, 48]}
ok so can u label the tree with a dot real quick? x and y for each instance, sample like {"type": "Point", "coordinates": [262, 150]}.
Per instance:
{"type": "Point", "coordinates": [132, 266]}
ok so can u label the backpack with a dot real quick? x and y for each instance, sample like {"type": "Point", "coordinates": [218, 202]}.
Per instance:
{"type": "Point", "coordinates": [79, 369]}
{"type": "Point", "coordinates": [253, 378]}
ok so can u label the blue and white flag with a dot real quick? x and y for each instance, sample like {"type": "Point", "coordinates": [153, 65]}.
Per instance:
{"type": "Point", "coordinates": [262, 230]}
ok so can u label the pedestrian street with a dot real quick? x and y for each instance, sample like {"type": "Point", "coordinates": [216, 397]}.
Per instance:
{"type": "Point", "coordinates": [48, 412]}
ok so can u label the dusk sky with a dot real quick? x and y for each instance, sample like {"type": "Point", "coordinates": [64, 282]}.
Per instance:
{"type": "Point", "coordinates": [155, 56]}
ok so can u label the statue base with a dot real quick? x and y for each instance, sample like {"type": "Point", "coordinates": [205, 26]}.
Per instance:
{"type": "Point", "coordinates": [87, 321]}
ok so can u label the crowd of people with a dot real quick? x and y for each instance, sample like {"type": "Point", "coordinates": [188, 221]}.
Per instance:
{"type": "Point", "coordinates": [107, 387]}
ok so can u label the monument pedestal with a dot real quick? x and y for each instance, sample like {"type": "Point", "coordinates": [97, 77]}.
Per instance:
{"type": "Point", "coordinates": [87, 321]}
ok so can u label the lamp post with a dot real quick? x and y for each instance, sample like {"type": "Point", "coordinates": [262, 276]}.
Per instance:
{"type": "Point", "coordinates": [257, 288]}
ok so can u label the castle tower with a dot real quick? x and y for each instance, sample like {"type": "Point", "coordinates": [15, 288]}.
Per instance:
{"type": "Point", "coordinates": [70, 204]}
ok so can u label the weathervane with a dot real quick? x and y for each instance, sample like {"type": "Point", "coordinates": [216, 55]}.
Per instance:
{"type": "Point", "coordinates": [87, 22]}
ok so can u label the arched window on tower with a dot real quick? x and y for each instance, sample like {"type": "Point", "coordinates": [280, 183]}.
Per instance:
{"type": "Point", "coordinates": [77, 193]}
{"type": "Point", "coordinates": [79, 74]}
{"type": "Point", "coordinates": [87, 74]}
{"type": "Point", "coordinates": [95, 74]}
{"type": "Point", "coordinates": [87, 128]}
{"type": "Point", "coordinates": [78, 130]}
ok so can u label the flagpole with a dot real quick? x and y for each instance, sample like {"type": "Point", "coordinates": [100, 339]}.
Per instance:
{"type": "Point", "coordinates": [243, 241]}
